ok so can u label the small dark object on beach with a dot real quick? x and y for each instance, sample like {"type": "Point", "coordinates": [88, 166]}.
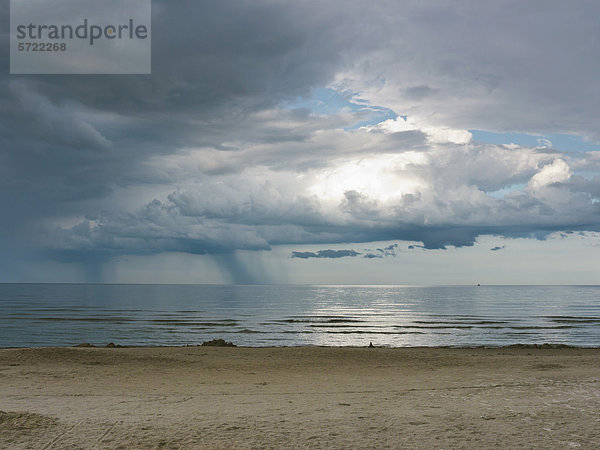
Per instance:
{"type": "Point", "coordinates": [113, 345]}
{"type": "Point", "coordinates": [85, 344]}
{"type": "Point", "coordinates": [371, 345]}
{"type": "Point", "coordinates": [218, 343]}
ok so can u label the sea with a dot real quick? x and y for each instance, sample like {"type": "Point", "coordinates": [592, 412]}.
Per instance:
{"type": "Point", "coordinates": [40, 315]}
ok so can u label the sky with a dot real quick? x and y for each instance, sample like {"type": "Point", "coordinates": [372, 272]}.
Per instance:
{"type": "Point", "coordinates": [319, 142]}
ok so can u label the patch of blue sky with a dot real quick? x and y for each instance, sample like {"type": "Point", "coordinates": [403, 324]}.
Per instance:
{"type": "Point", "coordinates": [327, 101]}
{"type": "Point", "coordinates": [501, 193]}
{"type": "Point", "coordinates": [375, 115]}
{"type": "Point", "coordinates": [563, 142]}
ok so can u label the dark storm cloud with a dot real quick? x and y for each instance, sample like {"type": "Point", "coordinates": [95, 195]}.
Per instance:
{"type": "Point", "coordinates": [214, 63]}
{"type": "Point", "coordinates": [390, 250]}
{"type": "Point", "coordinates": [372, 256]}
{"type": "Point", "coordinates": [68, 140]}
{"type": "Point", "coordinates": [334, 254]}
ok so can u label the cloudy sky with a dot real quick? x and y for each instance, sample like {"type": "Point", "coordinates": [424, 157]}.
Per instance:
{"type": "Point", "coordinates": [390, 142]}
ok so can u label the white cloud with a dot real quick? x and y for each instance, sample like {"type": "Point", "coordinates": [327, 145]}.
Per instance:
{"type": "Point", "coordinates": [440, 195]}
{"type": "Point", "coordinates": [435, 134]}
{"type": "Point", "coordinates": [556, 172]}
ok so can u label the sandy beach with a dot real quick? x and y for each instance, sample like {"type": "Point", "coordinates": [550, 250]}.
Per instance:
{"type": "Point", "coordinates": [210, 397]}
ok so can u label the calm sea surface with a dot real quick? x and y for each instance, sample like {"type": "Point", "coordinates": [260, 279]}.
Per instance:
{"type": "Point", "coordinates": [68, 314]}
